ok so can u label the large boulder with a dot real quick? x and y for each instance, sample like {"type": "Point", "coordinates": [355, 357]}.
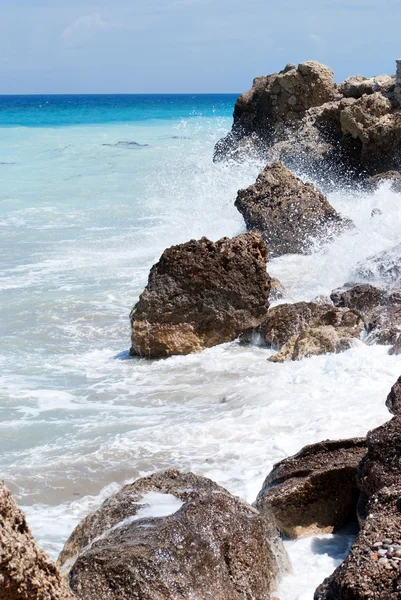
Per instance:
{"type": "Point", "coordinates": [372, 570]}
{"type": "Point", "coordinates": [26, 573]}
{"type": "Point", "coordinates": [308, 328]}
{"type": "Point", "coordinates": [201, 294]}
{"type": "Point", "coordinates": [275, 102]}
{"type": "Point", "coordinates": [212, 545]}
{"type": "Point", "coordinates": [350, 128]}
{"type": "Point", "coordinates": [314, 491]}
{"type": "Point", "coordinates": [290, 214]}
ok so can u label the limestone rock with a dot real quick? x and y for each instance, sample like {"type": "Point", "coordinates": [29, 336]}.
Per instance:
{"type": "Point", "coordinates": [357, 86]}
{"type": "Point", "coordinates": [201, 294]}
{"type": "Point", "coordinates": [315, 341]}
{"type": "Point", "coordinates": [287, 320]}
{"type": "Point", "coordinates": [214, 546]}
{"type": "Point", "coordinates": [314, 491]}
{"type": "Point", "coordinates": [364, 575]}
{"type": "Point", "coordinates": [26, 573]}
{"type": "Point", "coordinates": [290, 214]}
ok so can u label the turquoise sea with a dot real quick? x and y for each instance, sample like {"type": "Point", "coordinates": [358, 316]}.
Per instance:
{"type": "Point", "coordinates": [93, 188]}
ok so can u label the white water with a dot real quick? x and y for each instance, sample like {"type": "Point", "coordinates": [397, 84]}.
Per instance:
{"type": "Point", "coordinates": [81, 225]}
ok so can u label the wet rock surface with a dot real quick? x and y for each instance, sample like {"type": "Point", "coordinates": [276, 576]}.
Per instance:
{"type": "Point", "coordinates": [384, 267]}
{"type": "Point", "coordinates": [355, 125]}
{"type": "Point", "coordinates": [200, 294]}
{"type": "Point", "coordinates": [308, 328]}
{"type": "Point", "coordinates": [290, 214]}
{"type": "Point", "coordinates": [372, 570]}
{"type": "Point", "coordinates": [26, 573]}
{"type": "Point", "coordinates": [314, 491]}
{"type": "Point", "coordinates": [214, 546]}
{"type": "Point", "coordinates": [393, 401]}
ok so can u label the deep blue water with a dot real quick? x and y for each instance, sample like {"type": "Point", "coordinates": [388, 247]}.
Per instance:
{"type": "Point", "coordinates": [64, 110]}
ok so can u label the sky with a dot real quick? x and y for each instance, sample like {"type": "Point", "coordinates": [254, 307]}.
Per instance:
{"type": "Point", "coordinates": [187, 46]}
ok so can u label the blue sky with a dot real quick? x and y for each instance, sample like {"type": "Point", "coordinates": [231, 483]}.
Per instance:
{"type": "Point", "coordinates": [156, 46]}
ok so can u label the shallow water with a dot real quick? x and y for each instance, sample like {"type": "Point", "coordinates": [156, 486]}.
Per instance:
{"type": "Point", "coordinates": [82, 218]}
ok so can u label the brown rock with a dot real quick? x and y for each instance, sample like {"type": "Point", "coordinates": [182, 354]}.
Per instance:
{"type": "Point", "coordinates": [393, 401]}
{"type": "Point", "coordinates": [364, 298]}
{"type": "Point", "coordinates": [314, 491]}
{"type": "Point", "coordinates": [201, 294]}
{"type": "Point", "coordinates": [287, 320]}
{"type": "Point", "coordinates": [315, 341]}
{"type": "Point", "coordinates": [357, 86]}
{"type": "Point", "coordinates": [290, 214]}
{"type": "Point", "coordinates": [394, 177]}
{"type": "Point", "coordinates": [26, 573]}
{"type": "Point", "coordinates": [362, 576]}
{"type": "Point", "coordinates": [215, 546]}
{"type": "Point", "coordinates": [382, 465]}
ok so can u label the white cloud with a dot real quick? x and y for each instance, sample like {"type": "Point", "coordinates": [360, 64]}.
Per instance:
{"type": "Point", "coordinates": [85, 26]}
{"type": "Point", "coordinates": [315, 38]}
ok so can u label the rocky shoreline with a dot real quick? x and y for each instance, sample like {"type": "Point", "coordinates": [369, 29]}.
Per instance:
{"type": "Point", "coordinates": [176, 535]}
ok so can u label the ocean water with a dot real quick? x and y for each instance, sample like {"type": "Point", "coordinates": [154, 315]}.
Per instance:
{"type": "Point", "coordinates": [93, 190]}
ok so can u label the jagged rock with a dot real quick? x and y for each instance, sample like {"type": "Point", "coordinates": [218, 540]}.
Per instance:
{"type": "Point", "coordinates": [287, 320]}
{"type": "Point", "coordinates": [290, 214]}
{"type": "Point", "coordinates": [315, 341]}
{"type": "Point", "coordinates": [352, 129]}
{"type": "Point", "coordinates": [26, 573]}
{"type": "Point", "coordinates": [357, 86]}
{"type": "Point", "coordinates": [214, 546]}
{"type": "Point", "coordinates": [393, 401]}
{"type": "Point", "coordinates": [201, 294]}
{"type": "Point", "coordinates": [374, 124]}
{"type": "Point", "coordinates": [277, 290]}
{"type": "Point", "coordinates": [380, 308]}
{"type": "Point", "coordinates": [384, 267]}
{"type": "Point", "coordinates": [276, 101]}
{"type": "Point", "coordinates": [365, 575]}
{"type": "Point", "coordinates": [314, 491]}
{"type": "Point", "coordinates": [382, 465]}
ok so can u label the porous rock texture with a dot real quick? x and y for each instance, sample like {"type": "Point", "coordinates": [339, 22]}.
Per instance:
{"type": "Point", "coordinates": [290, 214]}
{"type": "Point", "coordinates": [26, 573]}
{"type": "Point", "coordinates": [365, 575]}
{"type": "Point", "coordinates": [200, 294]}
{"type": "Point", "coordinates": [314, 491]}
{"type": "Point", "coordinates": [215, 546]}
{"type": "Point", "coordinates": [307, 328]}
{"type": "Point", "coordinates": [301, 116]}
{"type": "Point", "coordinates": [380, 308]}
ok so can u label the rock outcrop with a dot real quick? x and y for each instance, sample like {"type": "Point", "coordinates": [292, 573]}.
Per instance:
{"type": "Point", "coordinates": [300, 116]}
{"type": "Point", "coordinates": [26, 573]}
{"type": "Point", "coordinates": [201, 294]}
{"type": "Point", "coordinates": [290, 214]}
{"type": "Point", "coordinates": [384, 268]}
{"type": "Point", "coordinates": [314, 491]}
{"type": "Point", "coordinates": [306, 329]}
{"type": "Point", "coordinates": [379, 307]}
{"type": "Point", "coordinates": [212, 546]}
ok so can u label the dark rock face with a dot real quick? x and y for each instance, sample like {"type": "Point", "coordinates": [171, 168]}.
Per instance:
{"type": "Point", "coordinates": [128, 502]}
{"type": "Point", "coordinates": [394, 177]}
{"type": "Point", "coordinates": [306, 328]}
{"type": "Point", "coordinates": [26, 573]}
{"type": "Point", "coordinates": [290, 214]}
{"type": "Point", "coordinates": [214, 546]}
{"type": "Point", "coordinates": [379, 307]}
{"type": "Point", "coordinates": [367, 573]}
{"type": "Point", "coordinates": [382, 465]}
{"type": "Point", "coordinates": [201, 294]}
{"type": "Point", "coordinates": [355, 125]}
{"type": "Point", "coordinates": [314, 491]}
{"type": "Point", "coordinates": [393, 401]}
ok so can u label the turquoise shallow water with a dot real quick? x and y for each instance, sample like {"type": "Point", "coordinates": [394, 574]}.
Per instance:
{"type": "Point", "coordinates": [64, 110]}
{"type": "Point", "coordinates": [92, 191]}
